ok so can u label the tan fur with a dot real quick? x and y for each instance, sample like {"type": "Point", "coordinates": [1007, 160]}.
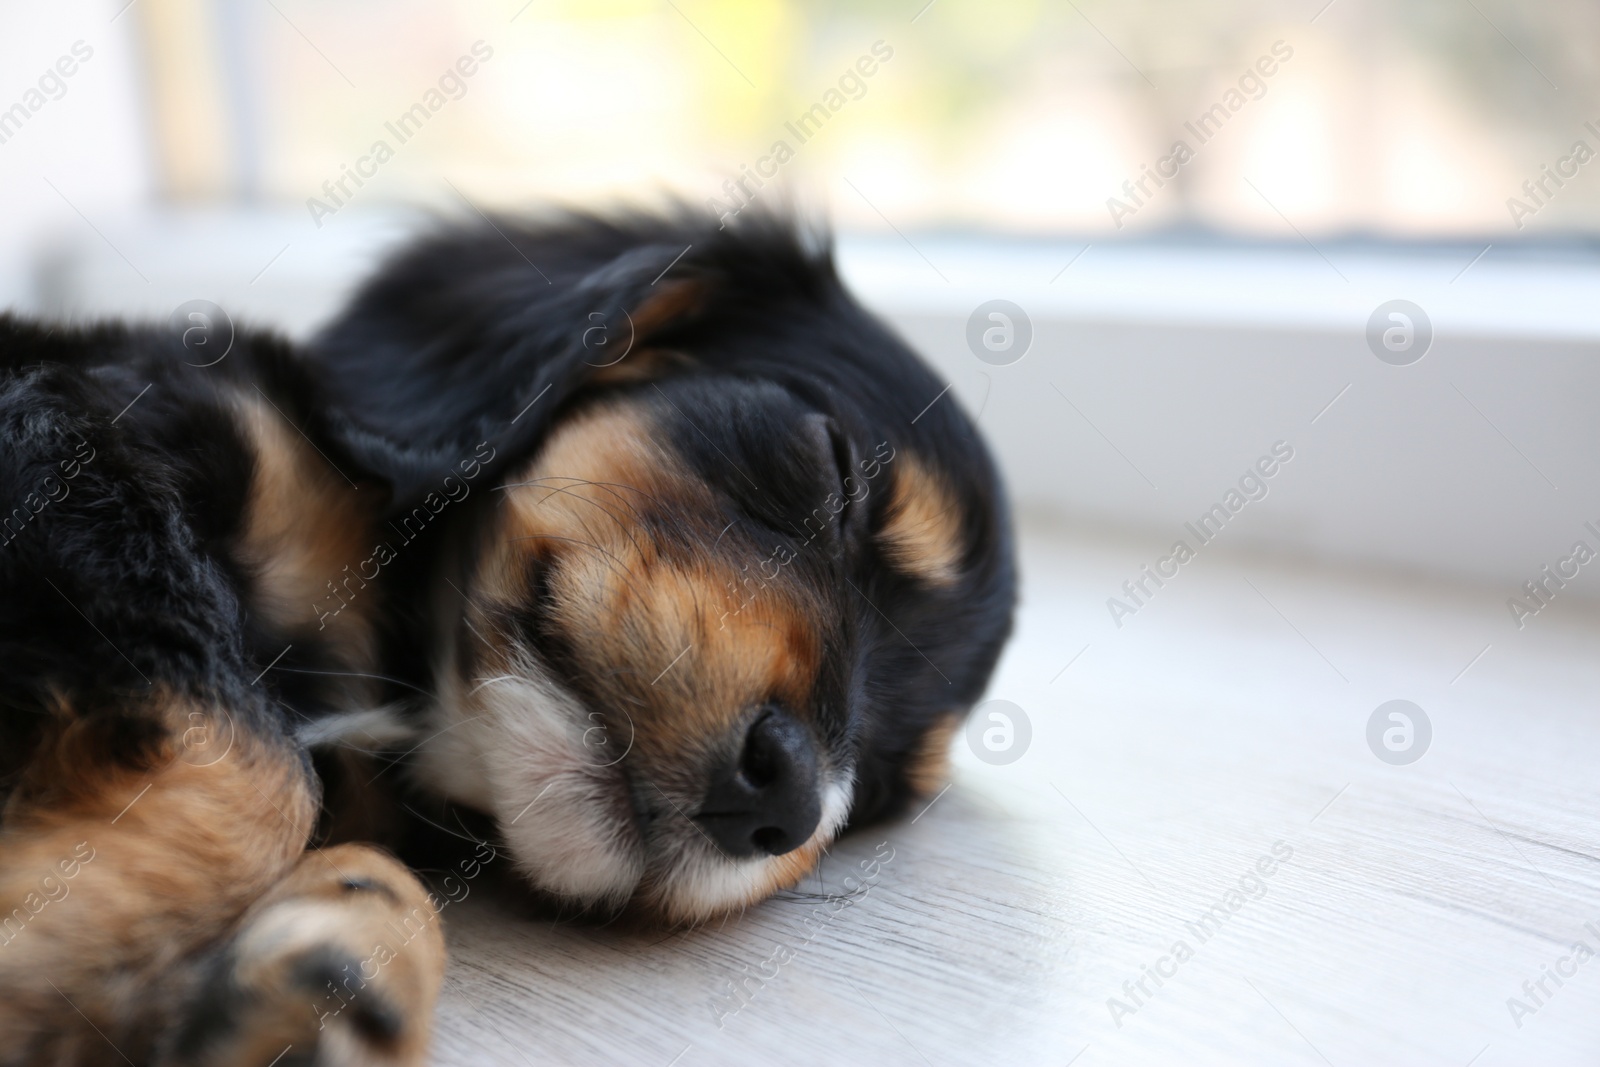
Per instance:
{"type": "Point", "coordinates": [640, 366]}
{"type": "Point", "coordinates": [669, 303]}
{"type": "Point", "coordinates": [372, 915]}
{"type": "Point", "coordinates": [163, 858]}
{"type": "Point", "coordinates": [305, 527]}
{"type": "Point", "coordinates": [786, 871]}
{"type": "Point", "coordinates": [928, 769]}
{"type": "Point", "coordinates": [628, 602]}
{"type": "Point", "coordinates": [921, 534]}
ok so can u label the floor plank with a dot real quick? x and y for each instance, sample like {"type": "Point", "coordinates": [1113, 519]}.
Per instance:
{"type": "Point", "coordinates": [1018, 914]}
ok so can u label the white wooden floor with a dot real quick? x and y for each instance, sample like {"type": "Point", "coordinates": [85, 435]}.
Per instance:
{"type": "Point", "coordinates": [1227, 716]}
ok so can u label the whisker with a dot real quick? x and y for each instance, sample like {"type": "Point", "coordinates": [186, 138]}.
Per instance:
{"type": "Point", "coordinates": [454, 810]}
{"type": "Point", "coordinates": [611, 488]}
{"type": "Point", "coordinates": [419, 744]}
{"type": "Point", "coordinates": [615, 562]}
{"type": "Point", "coordinates": [356, 674]}
{"type": "Point", "coordinates": [569, 491]}
{"type": "Point", "coordinates": [610, 485]}
{"type": "Point", "coordinates": [491, 681]}
{"type": "Point", "coordinates": [584, 522]}
{"type": "Point", "coordinates": [436, 826]}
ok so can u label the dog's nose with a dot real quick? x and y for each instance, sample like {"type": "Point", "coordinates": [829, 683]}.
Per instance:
{"type": "Point", "coordinates": [766, 802]}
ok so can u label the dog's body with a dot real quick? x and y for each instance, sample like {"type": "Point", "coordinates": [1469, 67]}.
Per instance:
{"type": "Point", "coordinates": [640, 539]}
{"type": "Point", "coordinates": [166, 527]}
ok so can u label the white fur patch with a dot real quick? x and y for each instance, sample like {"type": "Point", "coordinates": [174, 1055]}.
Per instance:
{"type": "Point", "coordinates": [514, 746]}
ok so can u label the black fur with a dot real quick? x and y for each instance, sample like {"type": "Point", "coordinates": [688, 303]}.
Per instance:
{"type": "Point", "coordinates": [123, 483]}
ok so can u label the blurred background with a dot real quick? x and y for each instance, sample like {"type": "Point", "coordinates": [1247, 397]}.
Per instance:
{"type": "Point", "coordinates": [1197, 208]}
{"type": "Point", "coordinates": [1408, 120]}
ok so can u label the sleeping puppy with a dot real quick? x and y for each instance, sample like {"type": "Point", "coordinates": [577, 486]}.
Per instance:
{"type": "Point", "coordinates": [740, 571]}
{"type": "Point", "coordinates": [640, 538]}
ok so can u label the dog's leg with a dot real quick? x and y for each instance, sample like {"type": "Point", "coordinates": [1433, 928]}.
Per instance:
{"type": "Point", "coordinates": [156, 905]}
{"type": "Point", "coordinates": [339, 963]}
{"type": "Point", "coordinates": [135, 839]}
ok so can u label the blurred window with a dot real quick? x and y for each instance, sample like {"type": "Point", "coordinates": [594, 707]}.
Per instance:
{"type": "Point", "coordinates": [1413, 118]}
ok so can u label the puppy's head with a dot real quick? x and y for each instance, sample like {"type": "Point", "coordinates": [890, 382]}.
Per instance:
{"type": "Point", "coordinates": [732, 595]}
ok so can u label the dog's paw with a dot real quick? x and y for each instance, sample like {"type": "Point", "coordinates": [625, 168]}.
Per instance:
{"type": "Point", "coordinates": [340, 964]}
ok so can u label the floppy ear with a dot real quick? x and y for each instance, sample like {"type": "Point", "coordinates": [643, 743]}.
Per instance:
{"type": "Point", "coordinates": [479, 335]}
